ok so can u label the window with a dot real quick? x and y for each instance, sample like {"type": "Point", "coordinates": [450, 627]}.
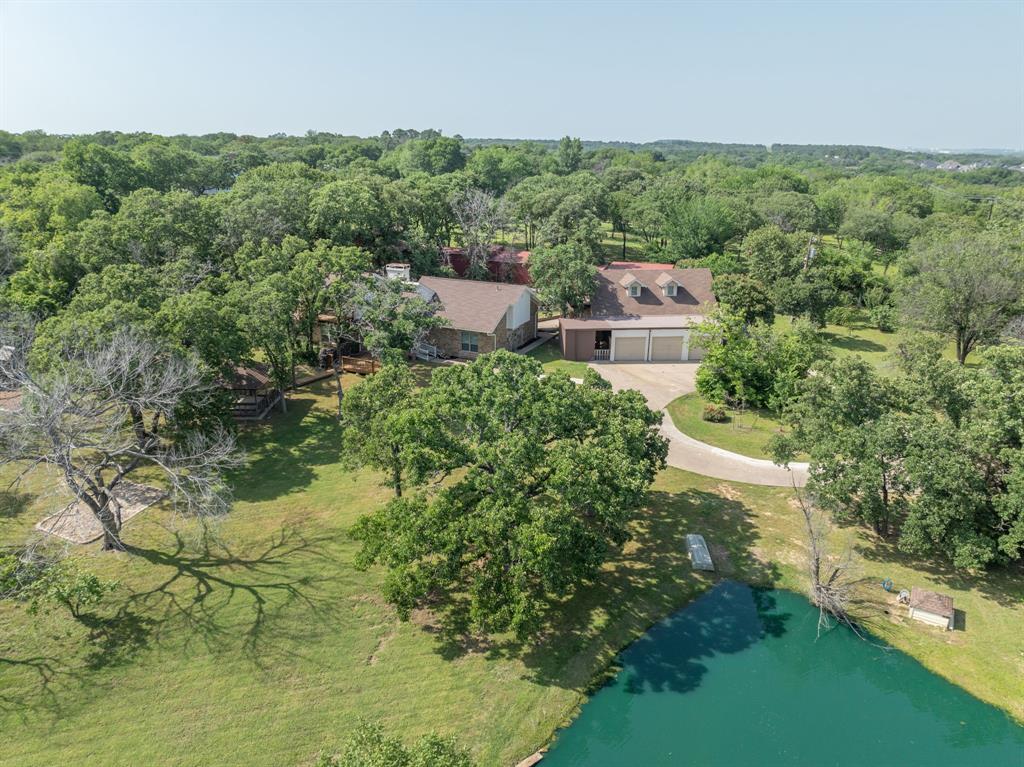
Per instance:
{"type": "Point", "coordinates": [670, 289]}
{"type": "Point", "coordinates": [469, 342]}
{"type": "Point", "coordinates": [634, 290]}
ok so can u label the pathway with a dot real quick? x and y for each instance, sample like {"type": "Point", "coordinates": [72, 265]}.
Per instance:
{"type": "Point", "coordinates": [661, 383]}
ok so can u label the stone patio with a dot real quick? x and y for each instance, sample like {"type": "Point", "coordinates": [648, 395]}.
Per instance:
{"type": "Point", "coordinates": [76, 522]}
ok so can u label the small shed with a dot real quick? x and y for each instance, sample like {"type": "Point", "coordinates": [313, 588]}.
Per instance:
{"type": "Point", "coordinates": [700, 557]}
{"type": "Point", "coordinates": [932, 608]}
{"type": "Point", "coordinates": [253, 392]}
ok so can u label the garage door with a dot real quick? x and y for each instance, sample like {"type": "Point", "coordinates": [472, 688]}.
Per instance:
{"type": "Point", "coordinates": [630, 349]}
{"type": "Point", "coordinates": [666, 348]}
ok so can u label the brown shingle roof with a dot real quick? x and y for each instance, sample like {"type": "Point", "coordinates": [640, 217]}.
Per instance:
{"type": "Point", "coordinates": [472, 304]}
{"type": "Point", "coordinates": [247, 378]}
{"type": "Point", "coordinates": [693, 296]}
{"type": "Point", "coordinates": [932, 602]}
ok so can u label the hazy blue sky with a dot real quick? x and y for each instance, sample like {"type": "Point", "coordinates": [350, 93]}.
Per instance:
{"type": "Point", "coordinates": [917, 74]}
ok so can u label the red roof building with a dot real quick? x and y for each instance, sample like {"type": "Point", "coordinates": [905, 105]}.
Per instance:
{"type": "Point", "coordinates": [505, 264]}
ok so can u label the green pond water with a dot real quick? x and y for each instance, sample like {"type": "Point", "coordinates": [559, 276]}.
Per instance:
{"type": "Point", "coordinates": [739, 678]}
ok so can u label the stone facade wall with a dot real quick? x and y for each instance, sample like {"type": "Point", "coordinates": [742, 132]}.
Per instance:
{"type": "Point", "coordinates": [449, 340]}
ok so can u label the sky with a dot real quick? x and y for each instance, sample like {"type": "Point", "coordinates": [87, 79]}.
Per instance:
{"type": "Point", "coordinates": [924, 75]}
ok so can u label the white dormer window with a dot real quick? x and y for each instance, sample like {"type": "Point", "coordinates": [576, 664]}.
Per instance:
{"type": "Point", "coordinates": [634, 289]}
{"type": "Point", "coordinates": [668, 284]}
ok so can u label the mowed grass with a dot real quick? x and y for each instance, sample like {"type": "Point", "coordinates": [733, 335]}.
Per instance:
{"type": "Point", "coordinates": [745, 432]}
{"type": "Point", "coordinates": [267, 645]}
{"type": "Point", "coordinates": [550, 356]}
{"type": "Point", "coordinates": [870, 343]}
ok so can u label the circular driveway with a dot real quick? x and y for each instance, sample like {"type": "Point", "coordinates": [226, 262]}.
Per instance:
{"type": "Point", "coordinates": [663, 382]}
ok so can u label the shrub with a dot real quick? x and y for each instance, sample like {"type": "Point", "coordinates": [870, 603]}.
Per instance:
{"type": "Point", "coordinates": [369, 746]}
{"type": "Point", "coordinates": [714, 414]}
{"type": "Point", "coordinates": [839, 315]}
{"type": "Point", "coordinates": [883, 317]}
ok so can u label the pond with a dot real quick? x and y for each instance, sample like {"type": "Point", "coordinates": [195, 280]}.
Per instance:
{"type": "Point", "coordinates": [739, 678]}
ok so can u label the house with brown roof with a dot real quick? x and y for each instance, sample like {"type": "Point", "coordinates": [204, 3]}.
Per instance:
{"type": "Point", "coordinates": [482, 316]}
{"type": "Point", "coordinates": [641, 314]}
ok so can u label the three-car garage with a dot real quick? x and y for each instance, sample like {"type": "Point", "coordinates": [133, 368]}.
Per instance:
{"type": "Point", "coordinates": [658, 339]}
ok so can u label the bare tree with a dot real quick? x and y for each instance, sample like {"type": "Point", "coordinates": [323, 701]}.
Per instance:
{"type": "Point", "coordinates": [101, 412]}
{"type": "Point", "coordinates": [834, 581]}
{"type": "Point", "coordinates": [479, 216]}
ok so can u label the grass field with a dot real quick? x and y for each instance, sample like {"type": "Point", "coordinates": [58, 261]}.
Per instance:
{"type": "Point", "coordinates": [264, 647]}
{"type": "Point", "coordinates": [869, 342]}
{"type": "Point", "coordinates": [550, 356]}
{"type": "Point", "coordinates": [746, 432]}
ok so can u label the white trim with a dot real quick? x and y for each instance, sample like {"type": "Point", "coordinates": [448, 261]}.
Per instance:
{"type": "Point", "coordinates": [673, 333]}
{"type": "Point", "coordinates": [645, 334]}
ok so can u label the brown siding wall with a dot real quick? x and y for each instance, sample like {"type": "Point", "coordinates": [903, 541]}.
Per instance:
{"type": "Point", "coordinates": [578, 344]}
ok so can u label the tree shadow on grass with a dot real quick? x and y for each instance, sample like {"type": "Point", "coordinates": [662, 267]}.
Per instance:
{"type": "Point", "coordinates": [854, 343]}
{"type": "Point", "coordinates": [115, 640]}
{"type": "Point", "coordinates": [221, 597]}
{"type": "Point", "coordinates": [1003, 585]}
{"type": "Point", "coordinates": [42, 695]}
{"type": "Point", "coordinates": [284, 451]}
{"type": "Point", "coordinates": [648, 579]}
{"type": "Point", "coordinates": [13, 503]}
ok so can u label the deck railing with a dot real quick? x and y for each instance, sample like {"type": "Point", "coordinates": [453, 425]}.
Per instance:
{"type": "Point", "coordinates": [602, 355]}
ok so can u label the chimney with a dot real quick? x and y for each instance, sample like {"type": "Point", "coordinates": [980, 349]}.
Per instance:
{"type": "Point", "coordinates": [398, 272]}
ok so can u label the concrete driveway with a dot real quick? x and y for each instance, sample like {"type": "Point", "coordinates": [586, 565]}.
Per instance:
{"type": "Point", "coordinates": [661, 383]}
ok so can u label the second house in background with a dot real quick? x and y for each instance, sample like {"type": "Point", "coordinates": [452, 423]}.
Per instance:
{"type": "Point", "coordinates": [482, 316]}
{"type": "Point", "coordinates": [640, 312]}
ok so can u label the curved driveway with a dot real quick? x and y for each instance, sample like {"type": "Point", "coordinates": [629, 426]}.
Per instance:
{"type": "Point", "coordinates": [661, 383]}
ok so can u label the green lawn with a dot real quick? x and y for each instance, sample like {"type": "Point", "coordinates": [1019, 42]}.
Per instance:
{"type": "Point", "coordinates": [264, 646]}
{"type": "Point", "coordinates": [867, 341]}
{"type": "Point", "coordinates": [746, 432]}
{"type": "Point", "coordinates": [550, 356]}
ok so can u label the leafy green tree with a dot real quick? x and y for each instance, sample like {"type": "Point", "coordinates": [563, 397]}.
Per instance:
{"type": "Point", "coordinates": [570, 155]}
{"type": "Point", "coordinates": [380, 314]}
{"type": "Point", "coordinates": [843, 419]}
{"type": "Point", "coordinates": [964, 285]}
{"type": "Point", "coordinates": [365, 210]}
{"type": "Point", "coordinates": [698, 226]}
{"type": "Point", "coordinates": [310, 275]}
{"type": "Point", "coordinates": [545, 476]}
{"type": "Point", "coordinates": [370, 746]}
{"type": "Point", "coordinates": [745, 296]}
{"type": "Point", "coordinates": [375, 421]}
{"type": "Point", "coordinates": [789, 211]}
{"type": "Point", "coordinates": [772, 255]}
{"type": "Point", "coordinates": [266, 312]}
{"type": "Point", "coordinates": [268, 202]}
{"type": "Point", "coordinates": [65, 584]}
{"type": "Point", "coordinates": [434, 155]}
{"type": "Point", "coordinates": [754, 364]}
{"type": "Point", "coordinates": [564, 277]}
{"type": "Point", "coordinates": [109, 172]}
{"type": "Point", "coordinates": [933, 457]}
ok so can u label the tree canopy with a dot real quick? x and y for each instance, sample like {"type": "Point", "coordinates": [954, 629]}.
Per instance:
{"type": "Point", "coordinates": [524, 484]}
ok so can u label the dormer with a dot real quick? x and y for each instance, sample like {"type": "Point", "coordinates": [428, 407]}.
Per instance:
{"type": "Point", "coordinates": [632, 285]}
{"type": "Point", "coordinates": [668, 284]}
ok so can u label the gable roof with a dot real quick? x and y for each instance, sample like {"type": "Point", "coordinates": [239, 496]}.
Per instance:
{"type": "Point", "coordinates": [611, 297]}
{"type": "Point", "coordinates": [472, 304]}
